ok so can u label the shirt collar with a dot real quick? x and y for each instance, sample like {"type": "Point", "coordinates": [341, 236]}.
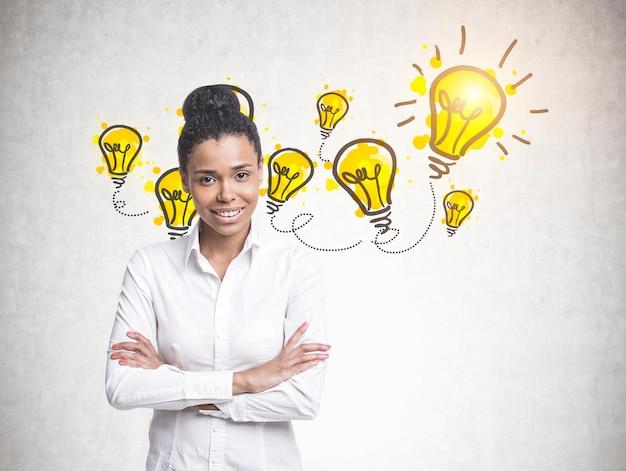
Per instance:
{"type": "Point", "coordinates": [253, 240]}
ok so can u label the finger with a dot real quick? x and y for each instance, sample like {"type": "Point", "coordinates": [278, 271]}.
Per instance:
{"type": "Point", "coordinates": [297, 335]}
{"type": "Point", "coordinates": [144, 343]}
{"type": "Point", "coordinates": [313, 347]}
{"type": "Point", "coordinates": [129, 346]}
{"type": "Point", "coordinates": [300, 367]}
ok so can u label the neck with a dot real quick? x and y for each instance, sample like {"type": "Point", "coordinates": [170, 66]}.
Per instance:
{"type": "Point", "coordinates": [220, 248]}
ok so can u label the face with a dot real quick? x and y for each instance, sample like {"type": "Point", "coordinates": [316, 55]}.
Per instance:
{"type": "Point", "coordinates": [224, 178]}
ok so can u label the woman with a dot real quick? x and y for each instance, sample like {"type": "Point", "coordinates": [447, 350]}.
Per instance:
{"type": "Point", "coordinates": [227, 334]}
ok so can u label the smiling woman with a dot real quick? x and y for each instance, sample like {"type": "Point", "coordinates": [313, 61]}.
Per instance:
{"type": "Point", "coordinates": [223, 178]}
{"type": "Point", "coordinates": [227, 329]}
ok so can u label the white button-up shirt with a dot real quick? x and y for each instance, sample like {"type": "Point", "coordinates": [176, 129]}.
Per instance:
{"type": "Point", "coordinates": [206, 329]}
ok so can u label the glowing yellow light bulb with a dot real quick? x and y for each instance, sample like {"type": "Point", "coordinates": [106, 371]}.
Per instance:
{"type": "Point", "coordinates": [466, 103]}
{"type": "Point", "coordinates": [288, 171]}
{"type": "Point", "coordinates": [458, 205]}
{"type": "Point", "coordinates": [366, 168]}
{"type": "Point", "coordinates": [120, 146]}
{"type": "Point", "coordinates": [176, 204]}
{"type": "Point", "coordinates": [331, 107]}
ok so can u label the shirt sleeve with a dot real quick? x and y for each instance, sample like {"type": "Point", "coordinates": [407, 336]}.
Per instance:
{"type": "Point", "coordinates": [167, 387]}
{"type": "Point", "coordinates": [298, 397]}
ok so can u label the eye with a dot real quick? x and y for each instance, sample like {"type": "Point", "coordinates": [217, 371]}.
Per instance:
{"type": "Point", "coordinates": [207, 180]}
{"type": "Point", "coordinates": [242, 175]}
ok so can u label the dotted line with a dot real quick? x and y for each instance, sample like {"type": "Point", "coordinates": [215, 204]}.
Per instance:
{"type": "Point", "coordinates": [118, 205]}
{"type": "Point", "coordinates": [430, 223]}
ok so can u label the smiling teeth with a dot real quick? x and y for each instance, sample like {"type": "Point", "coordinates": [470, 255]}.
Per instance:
{"type": "Point", "coordinates": [228, 214]}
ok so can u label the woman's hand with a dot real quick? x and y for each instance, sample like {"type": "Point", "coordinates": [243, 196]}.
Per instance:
{"type": "Point", "coordinates": [291, 361]}
{"type": "Point", "coordinates": [139, 354]}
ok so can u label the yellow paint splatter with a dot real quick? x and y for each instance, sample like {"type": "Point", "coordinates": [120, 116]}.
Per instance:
{"type": "Point", "coordinates": [420, 142]}
{"type": "Point", "coordinates": [419, 85]}
{"type": "Point", "coordinates": [359, 213]}
{"type": "Point", "coordinates": [179, 112]}
{"type": "Point", "coordinates": [149, 186]}
{"type": "Point", "coordinates": [146, 138]}
{"type": "Point", "coordinates": [159, 220]}
{"type": "Point", "coordinates": [100, 169]}
{"type": "Point", "coordinates": [510, 90]}
{"type": "Point", "coordinates": [492, 73]}
{"type": "Point", "coordinates": [498, 132]}
{"type": "Point", "coordinates": [435, 63]}
{"type": "Point", "coordinates": [156, 170]}
{"type": "Point", "coordinates": [331, 185]}
{"type": "Point", "coordinates": [328, 165]}
{"type": "Point", "coordinates": [104, 125]}
{"type": "Point", "coordinates": [262, 191]}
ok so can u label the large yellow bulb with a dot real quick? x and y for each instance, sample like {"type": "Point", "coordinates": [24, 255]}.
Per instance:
{"type": "Point", "coordinates": [366, 168]}
{"type": "Point", "coordinates": [466, 103]}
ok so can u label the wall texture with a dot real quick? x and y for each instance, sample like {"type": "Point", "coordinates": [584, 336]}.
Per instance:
{"type": "Point", "coordinates": [502, 347]}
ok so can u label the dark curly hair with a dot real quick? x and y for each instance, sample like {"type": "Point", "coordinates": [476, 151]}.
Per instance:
{"type": "Point", "coordinates": [212, 112]}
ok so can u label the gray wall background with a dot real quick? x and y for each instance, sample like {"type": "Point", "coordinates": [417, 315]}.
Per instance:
{"type": "Point", "coordinates": [502, 348]}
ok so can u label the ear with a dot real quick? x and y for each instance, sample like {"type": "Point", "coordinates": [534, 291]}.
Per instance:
{"type": "Point", "coordinates": [260, 172]}
{"type": "Point", "coordinates": [185, 181]}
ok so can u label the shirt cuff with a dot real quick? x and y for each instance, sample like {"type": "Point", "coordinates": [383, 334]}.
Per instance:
{"type": "Point", "coordinates": [213, 386]}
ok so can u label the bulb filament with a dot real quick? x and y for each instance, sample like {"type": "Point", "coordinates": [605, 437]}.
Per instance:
{"type": "Point", "coordinates": [360, 176]}
{"type": "Point", "coordinates": [280, 173]}
{"type": "Point", "coordinates": [114, 149]}
{"type": "Point", "coordinates": [173, 196]}
{"type": "Point", "coordinates": [457, 106]}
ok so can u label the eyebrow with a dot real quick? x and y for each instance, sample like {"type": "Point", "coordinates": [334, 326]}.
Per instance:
{"type": "Point", "coordinates": [213, 172]}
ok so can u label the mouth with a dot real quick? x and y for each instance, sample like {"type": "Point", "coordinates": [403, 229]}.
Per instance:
{"type": "Point", "coordinates": [228, 214]}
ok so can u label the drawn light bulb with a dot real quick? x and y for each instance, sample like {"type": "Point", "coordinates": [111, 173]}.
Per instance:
{"type": "Point", "coordinates": [458, 205]}
{"type": "Point", "coordinates": [465, 103]}
{"type": "Point", "coordinates": [245, 100]}
{"type": "Point", "coordinates": [176, 204]}
{"type": "Point", "coordinates": [331, 107]}
{"type": "Point", "coordinates": [289, 170]}
{"type": "Point", "coordinates": [120, 146]}
{"type": "Point", "coordinates": [366, 168]}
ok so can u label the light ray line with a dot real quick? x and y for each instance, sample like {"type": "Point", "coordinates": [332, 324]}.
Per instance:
{"type": "Point", "coordinates": [506, 54]}
{"type": "Point", "coordinates": [419, 69]}
{"type": "Point", "coordinates": [515, 85]}
{"type": "Point", "coordinates": [402, 103]}
{"type": "Point", "coordinates": [502, 148]}
{"type": "Point", "coordinates": [523, 141]}
{"type": "Point", "coordinates": [462, 49]}
{"type": "Point", "coordinates": [406, 121]}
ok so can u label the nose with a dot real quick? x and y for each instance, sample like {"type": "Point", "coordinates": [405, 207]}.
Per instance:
{"type": "Point", "coordinates": [226, 193]}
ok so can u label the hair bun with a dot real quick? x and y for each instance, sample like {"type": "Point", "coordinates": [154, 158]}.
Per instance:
{"type": "Point", "coordinates": [208, 100]}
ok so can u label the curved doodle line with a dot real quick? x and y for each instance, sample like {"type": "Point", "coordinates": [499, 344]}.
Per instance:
{"type": "Point", "coordinates": [118, 204]}
{"type": "Point", "coordinates": [430, 223]}
{"type": "Point", "coordinates": [296, 227]}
